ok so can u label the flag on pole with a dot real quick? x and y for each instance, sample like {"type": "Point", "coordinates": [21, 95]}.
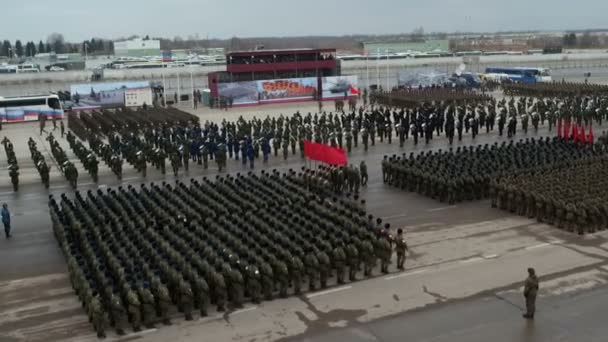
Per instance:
{"type": "Point", "coordinates": [325, 153]}
{"type": "Point", "coordinates": [590, 137]}
{"type": "Point", "coordinates": [354, 90]}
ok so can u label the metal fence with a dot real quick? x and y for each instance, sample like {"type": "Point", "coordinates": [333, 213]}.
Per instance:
{"type": "Point", "coordinates": [371, 72]}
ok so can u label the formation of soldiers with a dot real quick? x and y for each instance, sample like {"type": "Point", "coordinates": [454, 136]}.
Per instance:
{"type": "Point", "coordinates": [412, 97]}
{"type": "Point", "coordinates": [465, 174]}
{"type": "Point", "coordinates": [13, 166]}
{"type": "Point", "coordinates": [135, 254]}
{"type": "Point", "coordinates": [347, 179]}
{"type": "Point", "coordinates": [39, 162]}
{"type": "Point", "coordinates": [69, 170]}
{"type": "Point", "coordinates": [86, 156]}
{"type": "Point", "coordinates": [573, 196]}
{"type": "Point", "coordinates": [555, 89]}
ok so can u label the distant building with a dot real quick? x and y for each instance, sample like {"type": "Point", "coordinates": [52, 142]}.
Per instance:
{"type": "Point", "coordinates": [67, 61]}
{"type": "Point", "coordinates": [490, 43]}
{"type": "Point", "coordinates": [430, 45]}
{"type": "Point", "coordinates": [137, 48]}
{"type": "Point", "coordinates": [184, 53]}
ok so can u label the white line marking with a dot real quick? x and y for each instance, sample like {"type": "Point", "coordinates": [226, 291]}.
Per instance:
{"type": "Point", "coordinates": [491, 256]}
{"type": "Point", "coordinates": [244, 310]}
{"type": "Point", "coordinates": [442, 208]}
{"type": "Point", "coordinates": [474, 259]}
{"type": "Point", "coordinates": [321, 293]}
{"type": "Point", "coordinates": [540, 245]}
{"type": "Point", "coordinates": [395, 216]}
{"type": "Point", "coordinates": [405, 274]}
{"type": "Point", "coordinates": [102, 186]}
{"type": "Point", "coordinates": [58, 187]}
{"type": "Point", "coordinates": [6, 193]}
{"type": "Point", "coordinates": [130, 179]}
{"type": "Point", "coordinates": [143, 332]}
{"type": "Point", "coordinates": [85, 184]}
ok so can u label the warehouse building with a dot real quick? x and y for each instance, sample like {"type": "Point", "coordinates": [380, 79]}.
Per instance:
{"type": "Point", "coordinates": [137, 48]}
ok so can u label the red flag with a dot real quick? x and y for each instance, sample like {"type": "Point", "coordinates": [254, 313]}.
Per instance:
{"type": "Point", "coordinates": [354, 90]}
{"type": "Point", "coordinates": [325, 154]}
{"type": "Point", "coordinates": [337, 156]}
{"type": "Point", "coordinates": [566, 133]}
{"type": "Point", "coordinates": [575, 131]}
{"type": "Point", "coordinates": [590, 137]}
{"type": "Point", "coordinates": [311, 150]}
{"type": "Point", "coordinates": [582, 136]}
{"type": "Point", "coordinates": [559, 128]}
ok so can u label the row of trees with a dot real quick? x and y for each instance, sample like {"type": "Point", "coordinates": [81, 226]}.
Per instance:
{"type": "Point", "coordinates": [585, 40]}
{"type": "Point", "coordinates": [55, 43]}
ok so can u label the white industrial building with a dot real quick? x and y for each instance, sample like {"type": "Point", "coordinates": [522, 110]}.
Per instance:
{"type": "Point", "coordinates": [137, 48]}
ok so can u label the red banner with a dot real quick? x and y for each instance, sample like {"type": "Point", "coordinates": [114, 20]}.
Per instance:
{"type": "Point", "coordinates": [325, 154]}
{"type": "Point", "coordinates": [582, 137]}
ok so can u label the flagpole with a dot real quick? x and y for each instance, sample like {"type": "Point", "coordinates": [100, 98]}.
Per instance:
{"type": "Point", "coordinates": [179, 90]}
{"type": "Point", "coordinates": [192, 86]}
{"type": "Point", "coordinates": [377, 67]}
{"type": "Point", "coordinates": [367, 66]}
{"type": "Point", "coordinates": [388, 86]}
{"type": "Point", "coordinates": [164, 88]}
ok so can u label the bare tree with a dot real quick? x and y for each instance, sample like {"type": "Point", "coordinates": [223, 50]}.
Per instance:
{"type": "Point", "coordinates": [56, 42]}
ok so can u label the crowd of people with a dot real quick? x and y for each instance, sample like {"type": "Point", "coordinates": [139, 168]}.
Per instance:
{"type": "Point", "coordinates": [571, 196]}
{"type": "Point", "coordinates": [465, 174]}
{"type": "Point", "coordinates": [135, 253]}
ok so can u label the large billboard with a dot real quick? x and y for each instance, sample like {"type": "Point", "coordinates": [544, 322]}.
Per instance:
{"type": "Point", "coordinates": [103, 95]}
{"type": "Point", "coordinates": [266, 91]}
{"type": "Point", "coordinates": [287, 89]}
{"type": "Point", "coordinates": [240, 92]}
{"type": "Point", "coordinates": [335, 87]}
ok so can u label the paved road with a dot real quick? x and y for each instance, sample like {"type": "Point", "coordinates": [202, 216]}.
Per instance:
{"type": "Point", "coordinates": [458, 252]}
{"type": "Point", "coordinates": [564, 318]}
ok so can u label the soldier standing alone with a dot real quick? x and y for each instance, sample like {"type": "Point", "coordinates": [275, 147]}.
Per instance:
{"type": "Point", "coordinates": [530, 291]}
{"type": "Point", "coordinates": [400, 248]}
{"type": "Point", "coordinates": [6, 220]}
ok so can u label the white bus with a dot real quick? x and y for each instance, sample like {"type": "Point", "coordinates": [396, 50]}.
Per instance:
{"type": "Point", "coordinates": [29, 108]}
{"type": "Point", "coordinates": [27, 68]}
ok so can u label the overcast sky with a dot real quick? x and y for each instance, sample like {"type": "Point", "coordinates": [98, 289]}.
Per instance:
{"type": "Point", "coordinates": [82, 19]}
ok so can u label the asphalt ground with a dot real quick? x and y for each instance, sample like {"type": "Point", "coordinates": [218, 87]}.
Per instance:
{"type": "Point", "coordinates": [460, 256]}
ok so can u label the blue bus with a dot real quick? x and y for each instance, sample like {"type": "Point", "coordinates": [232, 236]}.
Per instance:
{"type": "Point", "coordinates": [521, 74]}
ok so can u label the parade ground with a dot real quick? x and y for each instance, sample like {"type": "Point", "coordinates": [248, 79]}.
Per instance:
{"type": "Point", "coordinates": [462, 281]}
